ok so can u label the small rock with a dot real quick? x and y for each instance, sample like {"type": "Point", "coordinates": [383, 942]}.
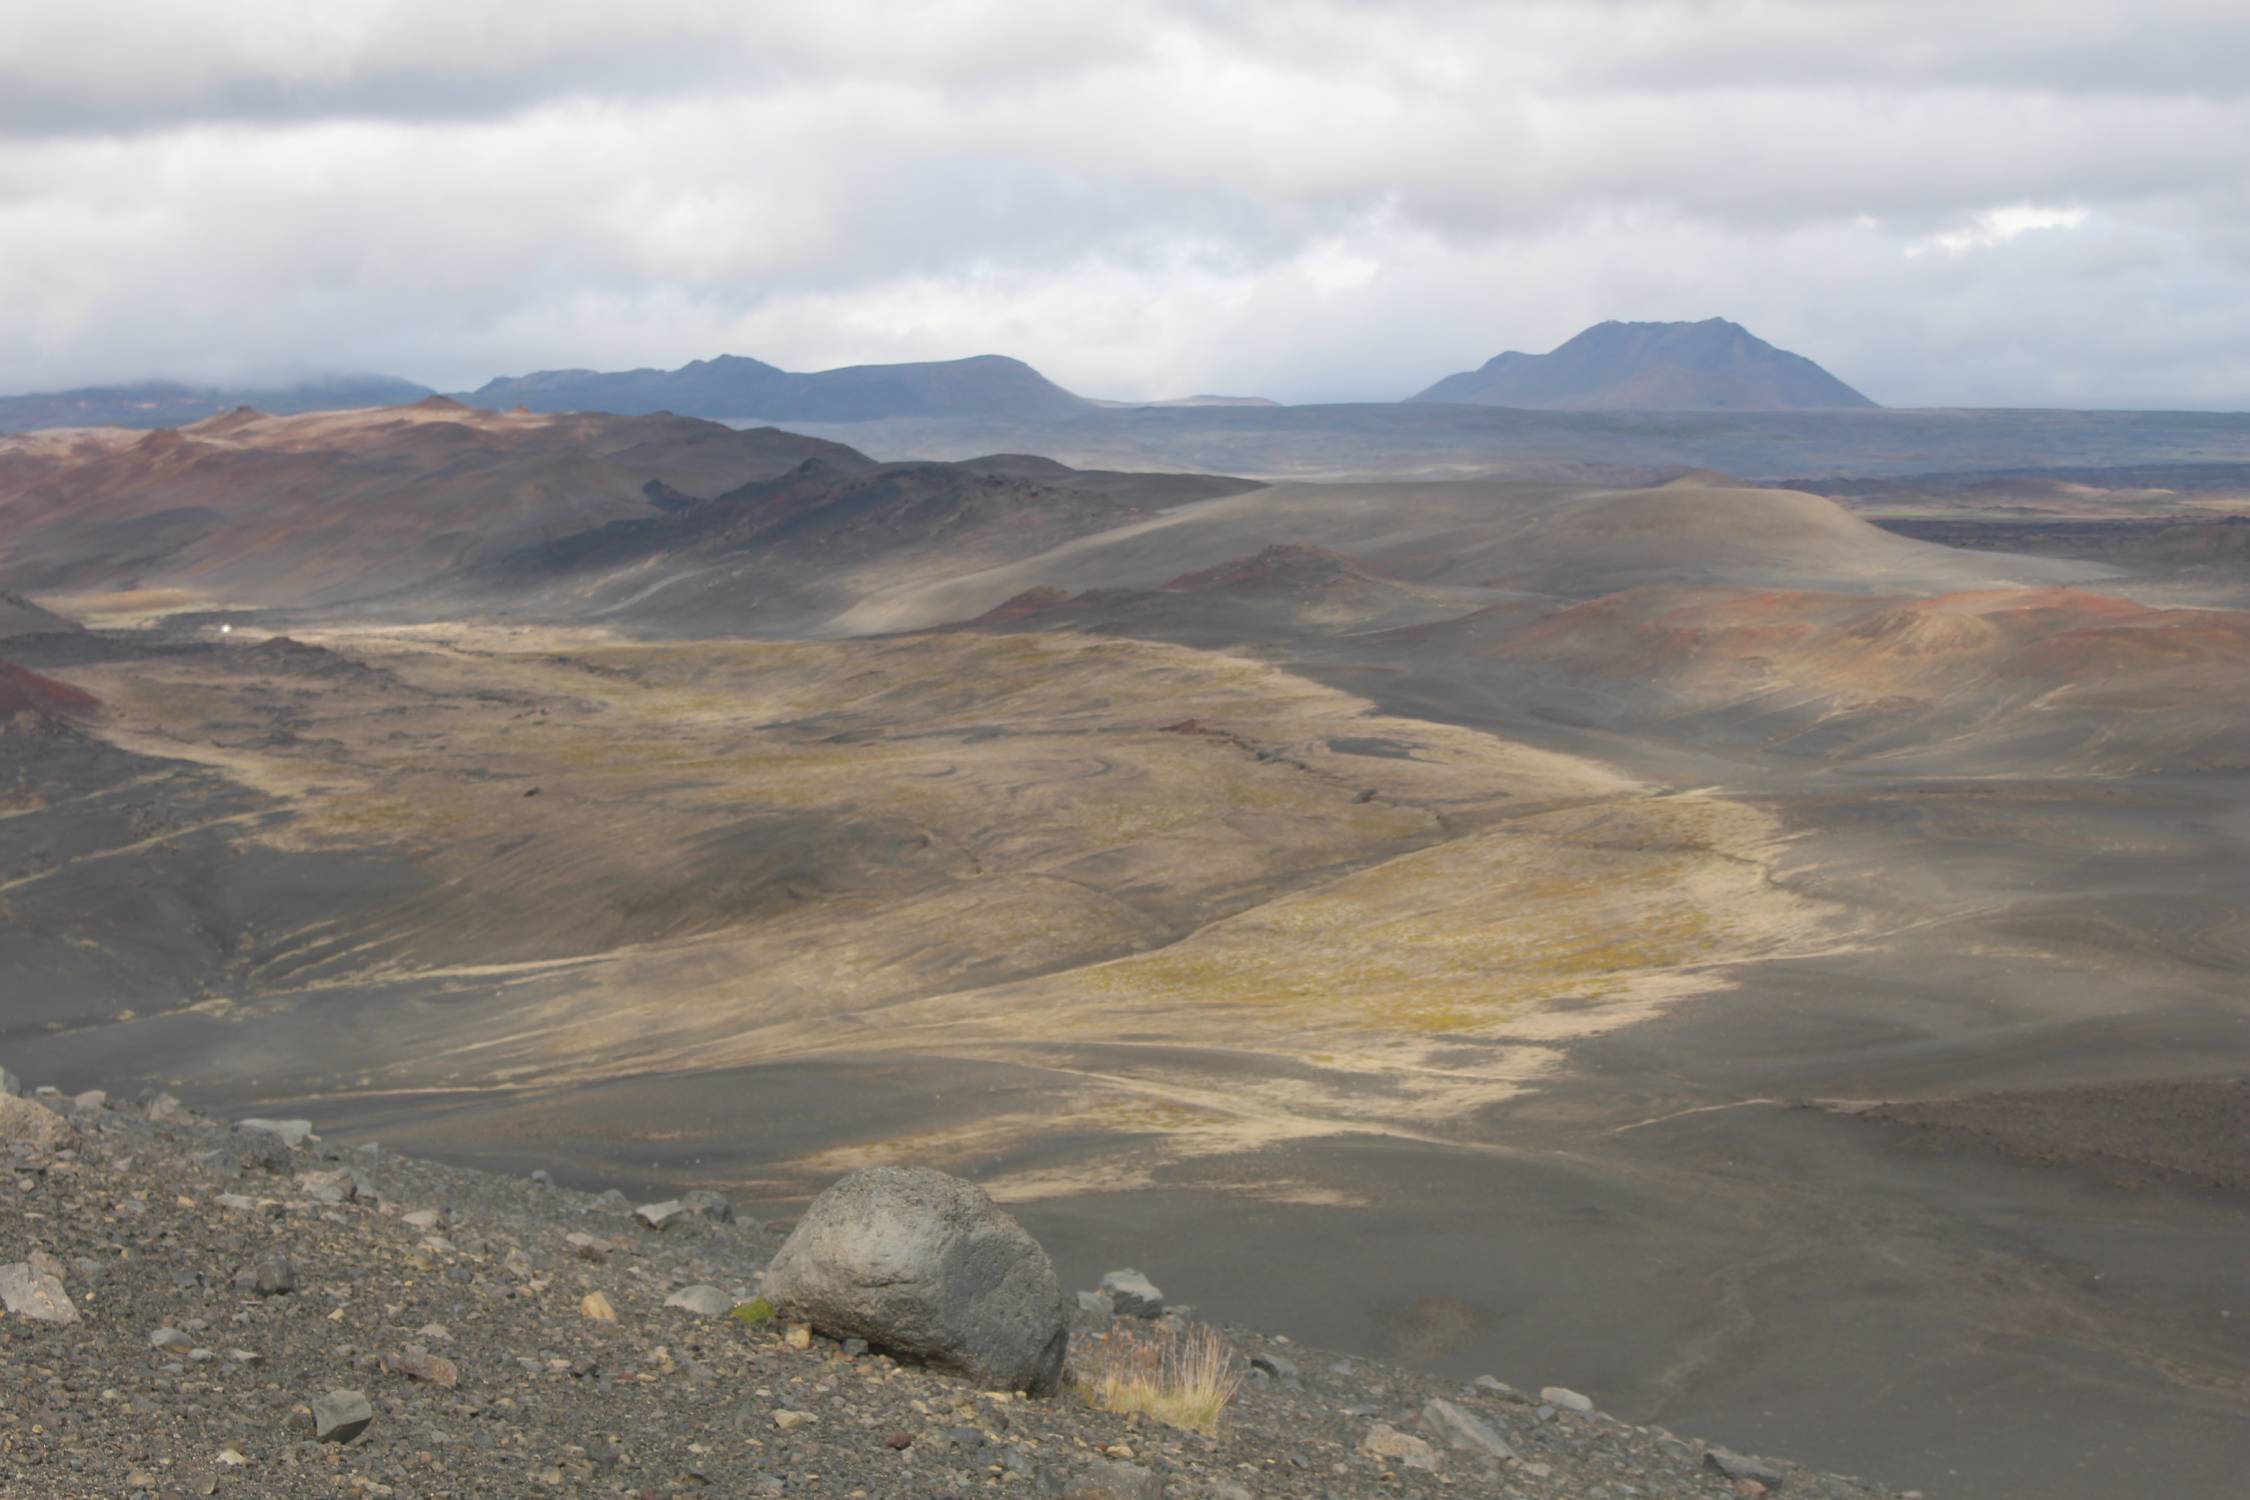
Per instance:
{"type": "Point", "coordinates": [663, 1215]}
{"type": "Point", "coordinates": [90, 1101]}
{"type": "Point", "coordinates": [543, 1177]}
{"type": "Point", "coordinates": [704, 1300]}
{"type": "Point", "coordinates": [28, 1294]}
{"type": "Point", "coordinates": [170, 1339]}
{"type": "Point", "coordinates": [291, 1133]}
{"type": "Point", "coordinates": [1501, 1388]}
{"type": "Point", "coordinates": [340, 1416]}
{"type": "Point", "coordinates": [273, 1278]}
{"type": "Point", "coordinates": [705, 1204]}
{"type": "Point", "coordinates": [425, 1218]}
{"type": "Point", "coordinates": [418, 1363]}
{"type": "Point", "coordinates": [1566, 1399]}
{"type": "Point", "coordinates": [1743, 1466]}
{"type": "Point", "coordinates": [597, 1307]}
{"type": "Point", "coordinates": [1114, 1481]}
{"type": "Point", "coordinates": [1279, 1366]}
{"type": "Point", "coordinates": [164, 1109]}
{"type": "Point", "coordinates": [589, 1247]}
{"type": "Point", "coordinates": [26, 1122]}
{"type": "Point", "coordinates": [1464, 1429]}
{"type": "Point", "coordinates": [261, 1151]}
{"type": "Point", "coordinates": [328, 1187]}
{"type": "Point", "coordinates": [785, 1420]}
{"type": "Point", "coordinates": [1133, 1295]}
{"type": "Point", "coordinates": [798, 1336]}
{"type": "Point", "coordinates": [1386, 1441]}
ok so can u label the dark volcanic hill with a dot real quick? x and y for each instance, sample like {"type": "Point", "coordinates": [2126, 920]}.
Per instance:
{"type": "Point", "coordinates": [731, 387]}
{"type": "Point", "coordinates": [21, 616]}
{"type": "Point", "coordinates": [788, 550]}
{"type": "Point", "coordinates": [1713, 365]}
{"type": "Point", "coordinates": [159, 403]}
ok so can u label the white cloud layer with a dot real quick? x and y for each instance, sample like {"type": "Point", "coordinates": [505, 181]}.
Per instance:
{"type": "Point", "coordinates": [1318, 199]}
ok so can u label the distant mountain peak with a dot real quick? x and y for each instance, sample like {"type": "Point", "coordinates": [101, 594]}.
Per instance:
{"type": "Point", "coordinates": [733, 387]}
{"type": "Point", "coordinates": [1712, 365]}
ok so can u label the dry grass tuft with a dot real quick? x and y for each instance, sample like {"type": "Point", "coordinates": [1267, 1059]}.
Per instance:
{"type": "Point", "coordinates": [1185, 1379]}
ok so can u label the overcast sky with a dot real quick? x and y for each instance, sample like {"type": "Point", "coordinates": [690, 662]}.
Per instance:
{"type": "Point", "coordinates": [1944, 203]}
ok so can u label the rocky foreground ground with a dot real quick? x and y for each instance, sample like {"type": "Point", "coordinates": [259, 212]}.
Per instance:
{"type": "Point", "coordinates": [195, 1307]}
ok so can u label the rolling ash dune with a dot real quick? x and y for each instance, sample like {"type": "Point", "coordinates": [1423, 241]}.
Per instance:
{"type": "Point", "coordinates": [1284, 593]}
{"type": "Point", "coordinates": [2028, 678]}
{"type": "Point", "coordinates": [1561, 541]}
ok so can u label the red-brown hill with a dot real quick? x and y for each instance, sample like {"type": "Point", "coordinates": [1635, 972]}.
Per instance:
{"type": "Point", "coordinates": [256, 509]}
{"type": "Point", "coordinates": [23, 691]}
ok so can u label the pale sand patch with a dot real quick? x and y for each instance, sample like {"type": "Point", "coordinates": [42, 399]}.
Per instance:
{"type": "Point", "coordinates": [1016, 848]}
{"type": "Point", "coordinates": [129, 609]}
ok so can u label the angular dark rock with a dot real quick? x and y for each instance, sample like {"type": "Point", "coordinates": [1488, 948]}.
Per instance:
{"type": "Point", "coordinates": [661, 1215]}
{"type": "Point", "coordinates": [340, 1416]}
{"type": "Point", "coordinates": [1133, 1295]}
{"type": "Point", "coordinates": [1461, 1428]}
{"type": "Point", "coordinates": [1744, 1466]}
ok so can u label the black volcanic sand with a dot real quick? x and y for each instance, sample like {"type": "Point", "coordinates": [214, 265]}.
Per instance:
{"type": "Point", "coordinates": [1852, 1292]}
{"type": "Point", "coordinates": [2195, 1134]}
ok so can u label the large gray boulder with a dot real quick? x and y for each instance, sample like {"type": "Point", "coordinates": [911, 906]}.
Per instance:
{"type": "Point", "coordinates": [923, 1265]}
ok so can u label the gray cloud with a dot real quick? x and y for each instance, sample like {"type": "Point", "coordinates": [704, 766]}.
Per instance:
{"type": "Point", "coordinates": [1944, 203]}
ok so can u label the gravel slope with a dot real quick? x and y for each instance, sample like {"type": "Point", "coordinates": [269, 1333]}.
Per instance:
{"type": "Point", "coordinates": [223, 1287]}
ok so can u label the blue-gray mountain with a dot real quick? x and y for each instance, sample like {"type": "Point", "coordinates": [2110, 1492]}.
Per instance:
{"type": "Point", "coordinates": [164, 403]}
{"type": "Point", "coordinates": [1713, 365]}
{"type": "Point", "coordinates": [732, 387]}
